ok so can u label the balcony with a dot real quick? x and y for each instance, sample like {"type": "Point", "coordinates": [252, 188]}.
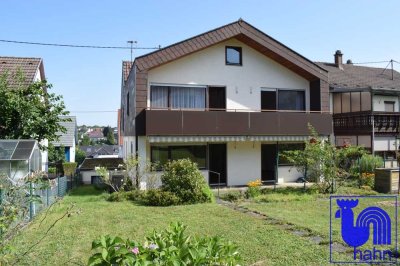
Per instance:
{"type": "Point", "coordinates": [364, 122]}
{"type": "Point", "coordinates": [189, 123]}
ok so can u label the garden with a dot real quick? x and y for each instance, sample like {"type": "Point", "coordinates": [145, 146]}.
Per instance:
{"type": "Point", "coordinates": [182, 223]}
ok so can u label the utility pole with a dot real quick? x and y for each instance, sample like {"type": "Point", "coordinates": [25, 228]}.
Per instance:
{"type": "Point", "coordinates": [131, 43]}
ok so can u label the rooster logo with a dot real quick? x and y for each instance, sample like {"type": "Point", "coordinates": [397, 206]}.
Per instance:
{"type": "Point", "coordinates": [358, 234]}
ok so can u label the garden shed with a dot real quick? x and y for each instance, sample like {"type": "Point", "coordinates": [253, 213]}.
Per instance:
{"type": "Point", "coordinates": [18, 158]}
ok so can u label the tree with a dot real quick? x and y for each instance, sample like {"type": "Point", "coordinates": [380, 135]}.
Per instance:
{"type": "Point", "coordinates": [80, 155]}
{"type": "Point", "coordinates": [106, 130]}
{"type": "Point", "coordinates": [110, 138]}
{"type": "Point", "coordinates": [56, 154]}
{"type": "Point", "coordinates": [320, 161]}
{"type": "Point", "coordinates": [29, 111]}
{"type": "Point", "coordinates": [85, 140]}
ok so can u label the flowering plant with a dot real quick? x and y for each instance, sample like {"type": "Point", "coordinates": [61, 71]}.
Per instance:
{"type": "Point", "coordinates": [169, 247]}
{"type": "Point", "coordinates": [255, 183]}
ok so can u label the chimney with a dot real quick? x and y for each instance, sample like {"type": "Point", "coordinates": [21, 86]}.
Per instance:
{"type": "Point", "coordinates": [339, 59]}
{"type": "Point", "coordinates": [349, 62]}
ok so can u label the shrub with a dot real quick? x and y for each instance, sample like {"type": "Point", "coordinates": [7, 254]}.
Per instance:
{"type": "Point", "coordinates": [232, 196]}
{"type": "Point", "coordinates": [169, 247]}
{"type": "Point", "coordinates": [369, 162]}
{"type": "Point", "coordinates": [158, 197]}
{"type": "Point", "coordinates": [183, 178]}
{"type": "Point", "coordinates": [367, 179]}
{"type": "Point", "coordinates": [52, 170]}
{"type": "Point", "coordinates": [69, 168]}
{"type": "Point", "coordinates": [133, 195]}
{"type": "Point", "coordinates": [116, 197]}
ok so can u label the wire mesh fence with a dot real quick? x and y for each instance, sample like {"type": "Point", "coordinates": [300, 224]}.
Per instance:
{"type": "Point", "coordinates": [45, 197]}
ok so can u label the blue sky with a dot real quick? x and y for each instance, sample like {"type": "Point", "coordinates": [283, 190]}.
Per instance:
{"type": "Point", "coordinates": [90, 79]}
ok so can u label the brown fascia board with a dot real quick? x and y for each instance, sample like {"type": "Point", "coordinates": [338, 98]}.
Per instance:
{"type": "Point", "coordinates": [226, 32]}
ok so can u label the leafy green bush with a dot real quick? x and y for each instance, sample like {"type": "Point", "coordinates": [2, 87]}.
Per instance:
{"type": "Point", "coordinates": [116, 197]}
{"type": "Point", "coordinates": [183, 178]}
{"type": "Point", "coordinates": [52, 170]}
{"type": "Point", "coordinates": [169, 247]}
{"type": "Point", "coordinates": [133, 195]}
{"type": "Point", "coordinates": [232, 196]}
{"type": "Point", "coordinates": [158, 197]}
{"type": "Point", "coordinates": [369, 162]}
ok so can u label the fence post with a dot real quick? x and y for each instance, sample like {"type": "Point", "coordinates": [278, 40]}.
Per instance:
{"type": "Point", "coordinates": [31, 206]}
{"type": "Point", "coordinates": [58, 186]}
{"type": "Point", "coordinates": [47, 197]}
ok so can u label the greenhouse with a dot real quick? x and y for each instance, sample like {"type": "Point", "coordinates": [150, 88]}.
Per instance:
{"type": "Point", "coordinates": [18, 158]}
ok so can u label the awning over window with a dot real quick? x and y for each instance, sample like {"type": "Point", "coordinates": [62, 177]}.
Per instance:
{"type": "Point", "coordinates": [178, 139]}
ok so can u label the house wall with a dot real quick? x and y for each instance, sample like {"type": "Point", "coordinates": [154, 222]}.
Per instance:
{"type": "Point", "coordinates": [87, 176]}
{"type": "Point", "coordinates": [385, 143]}
{"type": "Point", "coordinates": [128, 148]}
{"type": "Point", "coordinates": [244, 162]}
{"type": "Point", "coordinates": [243, 83]}
{"type": "Point", "coordinates": [378, 102]}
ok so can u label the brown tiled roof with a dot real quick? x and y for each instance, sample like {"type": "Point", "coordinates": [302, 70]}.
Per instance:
{"type": "Point", "coordinates": [109, 163]}
{"type": "Point", "coordinates": [244, 32]}
{"type": "Point", "coordinates": [126, 69]}
{"type": "Point", "coordinates": [27, 66]}
{"type": "Point", "coordinates": [357, 77]}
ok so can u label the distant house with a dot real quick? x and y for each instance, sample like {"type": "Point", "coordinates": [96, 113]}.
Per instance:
{"type": "Point", "coordinates": [95, 134]}
{"type": "Point", "coordinates": [32, 70]}
{"type": "Point", "coordinates": [103, 151]}
{"type": "Point", "coordinates": [68, 140]}
{"type": "Point", "coordinates": [88, 173]}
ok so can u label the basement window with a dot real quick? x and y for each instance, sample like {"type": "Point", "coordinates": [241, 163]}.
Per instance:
{"type": "Point", "coordinates": [233, 55]}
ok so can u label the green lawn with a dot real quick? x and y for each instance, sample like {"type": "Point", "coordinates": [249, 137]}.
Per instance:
{"type": "Point", "coordinates": [70, 241]}
{"type": "Point", "coordinates": [312, 212]}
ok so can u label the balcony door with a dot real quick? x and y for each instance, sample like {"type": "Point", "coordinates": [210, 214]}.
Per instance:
{"type": "Point", "coordinates": [217, 98]}
{"type": "Point", "coordinates": [217, 163]}
{"type": "Point", "coordinates": [269, 154]}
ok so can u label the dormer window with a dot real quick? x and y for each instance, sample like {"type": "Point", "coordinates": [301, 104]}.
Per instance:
{"type": "Point", "coordinates": [233, 55]}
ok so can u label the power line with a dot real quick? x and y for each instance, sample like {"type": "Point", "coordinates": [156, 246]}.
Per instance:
{"type": "Point", "coordinates": [108, 111]}
{"type": "Point", "coordinates": [80, 46]}
{"type": "Point", "coordinates": [377, 62]}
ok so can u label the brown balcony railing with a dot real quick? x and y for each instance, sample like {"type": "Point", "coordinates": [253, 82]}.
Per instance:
{"type": "Point", "coordinates": [238, 122]}
{"type": "Point", "coordinates": [364, 122]}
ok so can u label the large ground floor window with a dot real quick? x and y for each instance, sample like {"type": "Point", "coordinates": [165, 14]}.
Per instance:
{"type": "Point", "coordinates": [196, 153]}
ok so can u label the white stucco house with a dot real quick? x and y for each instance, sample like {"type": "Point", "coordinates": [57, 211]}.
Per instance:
{"type": "Point", "coordinates": [230, 99]}
{"type": "Point", "coordinates": [32, 70]}
{"type": "Point", "coordinates": [69, 139]}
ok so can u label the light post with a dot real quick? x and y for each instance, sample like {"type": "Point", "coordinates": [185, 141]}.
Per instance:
{"type": "Point", "coordinates": [219, 179]}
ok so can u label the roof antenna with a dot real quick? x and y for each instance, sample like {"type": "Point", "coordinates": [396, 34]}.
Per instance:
{"type": "Point", "coordinates": [391, 66]}
{"type": "Point", "coordinates": [131, 43]}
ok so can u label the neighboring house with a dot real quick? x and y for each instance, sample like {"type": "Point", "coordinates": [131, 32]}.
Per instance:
{"type": "Point", "coordinates": [88, 173]}
{"type": "Point", "coordinates": [103, 151]}
{"type": "Point", "coordinates": [125, 142]}
{"type": "Point", "coordinates": [95, 134]}
{"type": "Point", "coordinates": [365, 106]}
{"type": "Point", "coordinates": [32, 70]}
{"type": "Point", "coordinates": [230, 99]}
{"type": "Point", "coordinates": [69, 139]}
